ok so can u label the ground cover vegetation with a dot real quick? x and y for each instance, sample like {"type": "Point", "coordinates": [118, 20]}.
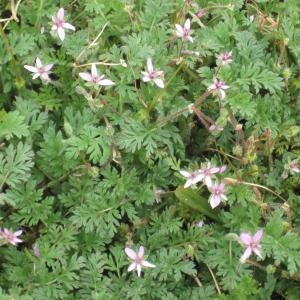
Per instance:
{"type": "Point", "coordinates": [149, 149]}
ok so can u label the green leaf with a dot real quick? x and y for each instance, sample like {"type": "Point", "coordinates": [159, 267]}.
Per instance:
{"type": "Point", "coordinates": [192, 199]}
{"type": "Point", "coordinates": [13, 124]}
{"type": "Point", "coordinates": [15, 165]}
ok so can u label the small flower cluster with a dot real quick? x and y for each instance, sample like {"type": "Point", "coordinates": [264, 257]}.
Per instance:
{"type": "Point", "coordinates": [184, 33]}
{"type": "Point", "coordinates": [207, 174]}
{"type": "Point", "coordinates": [250, 242]}
{"type": "Point", "coordinates": [10, 237]}
{"type": "Point", "coordinates": [218, 86]}
{"type": "Point", "coordinates": [43, 71]}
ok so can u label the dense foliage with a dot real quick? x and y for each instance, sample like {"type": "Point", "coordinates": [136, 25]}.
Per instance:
{"type": "Point", "coordinates": [187, 148]}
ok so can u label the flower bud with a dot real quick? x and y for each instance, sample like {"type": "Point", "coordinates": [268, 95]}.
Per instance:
{"type": "Point", "coordinates": [68, 129]}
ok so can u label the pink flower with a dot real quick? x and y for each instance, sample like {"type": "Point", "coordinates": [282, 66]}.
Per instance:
{"type": "Point", "coordinates": [225, 58]}
{"type": "Point", "coordinates": [207, 172]}
{"type": "Point", "coordinates": [219, 86]}
{"type": "Point", "coordinates": [153, 75]}
{"type": "Point", "coordinates": [95, 78]}
{"type": "Point", "coordinates": [192, 177]}
{"type": "Point", "coordinates": [222, 169]}
{"type": "Point", "coordinates": [200, 224]}
{"type": "Point", "coordinates": [215, 128]}
{"type": "Point", "coordinates": [217, 194]}
{"type": "Point", "coordinates": [184, 32]}
{"type": "Point", "coordinates": [251, 243]}
{"type": "Point", "coordinates": [59, 24]}
{"type": "Point", "coordinates": [39, 70]}
{"type": "Point", "coordinates": [36, 250]}
{"type": "Point", "coordinates": [158, 194]}
{"type": "Point", "coordinates": [201, 13]}
{"type": "Point", "coordinates": [138, 261]}
{"type": "Point", "coordinates": [294, 167]}
{"type": "Point", "coordinates": [10, 237]}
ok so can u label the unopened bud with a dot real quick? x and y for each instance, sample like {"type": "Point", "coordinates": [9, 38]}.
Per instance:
{"type": "Point", "coordinates": [68, 129]}
{"type": "Point", "coordinates": [287, 73]}
{"type": "Point", "coordinates": [232, 237]}
{"type": "Point", "coordinates": [123, 63]}
{"type": "Point", "coordinates": [190, 250]}
{"type": "Point", "coordinates": [93, 172]}
{"type": "Point", "coordinates": [230, 181]}
{"type": "Point", "coordinates": [238, 127]}
{"type": "Point", "coordinates": [237, 151]}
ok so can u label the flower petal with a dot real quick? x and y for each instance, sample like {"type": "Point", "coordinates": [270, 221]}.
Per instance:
{"type": "Point", "coordinates": [139, 269]}
{"type": "Point", "coordinates": [197, 178]}
{"type": "Point", "coordinates": [224, 197]}
{"type": "Point", "coordinates": [61, 13]}
{"type": "Point", "coordinates": [86, 76]}
{"type": "Point", "coordinates": [16, 240]}
{"type": "Point", "coordinates": [131, 267]}
{"type": "Point", "coordinates": [106, 82]}
{"type": "Point", "coordinates": [38, 63]}
{"type": "Point", "coordinates": [185, 173]}
{"type": "Point", "coordinates": [212, 87]}
{"type": "Point", "coordinates": [258, 235]}
{"type": "Point", "coordinates": [146, 263]}
{"type": "Point", "coordinates": [146, 77]}
{"type": "Point", "coordinates": [68, 26]}
{"type": "Point", "coordinates": [245, 238]}
{"type": "Point", "coordinates": [214, 170]}
{"type": "Point", "coordinates": [208, 181]}
{"type": "Point", "coordinates": [179, 30]}
{"type": "Point", "coordinates": [190, 39]}
{"type": "Point", "coordinates": [246, 254]}
{"type": "Point", "coordinates": [257, 251]}
{"type": "Point", "coordinates": [159, 82]}
{"type": "Point", "coordinates": [31, 68]}
{"type": "Point", "coordinates": [18, 232]}
{"type": "Point", "coordinates": [214, 201]}
{"type": "Point", "coordinates": [47, 68]}
{"type": "Point", "coordinates": [130, 253]}
{"type": "Point", "coordinates": [149, 65]}
{"type": "Point", "coordinates": [61, 33]}
{"type": "Point", "coordinates": [94, 70]}
{"type": "Point", "coordinates": [36, 75]}
{"type": "Point", "coordinates": [187, 24]}
{"type": "Point", "coordinates": [188, 183]}
{"type": "Point", "coordinates": [141, 252]}
{"type": "Point", "coordinates": [45, 76]}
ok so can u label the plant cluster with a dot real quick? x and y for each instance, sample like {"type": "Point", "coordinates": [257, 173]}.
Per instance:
{"type": "Point", "coordinates": [149, 149]}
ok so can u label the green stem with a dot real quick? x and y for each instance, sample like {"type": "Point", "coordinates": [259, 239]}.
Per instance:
{"type": "Point", "coordinates": [9, 50]}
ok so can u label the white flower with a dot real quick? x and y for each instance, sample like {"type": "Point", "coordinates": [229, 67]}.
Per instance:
{"type": "Point", "coordinates": [95, 78]}
{"type": "Point", "coordinates": [153, 75]}
{"type": "Point", "coordinates": [219, 86]}
{"type": "Point", "coordinates": [225, 58]}
{"type": "Point", "coordinates": [192, 177]}
{"type": "Point", "coordinates": [184, 32]}
{"type": "Point", "coordinates": [59, 24]}
{"type": "Point", "coordinates": [158, 194]}
{"type": "Point", "coordinates": [251, 243]}
{"type": "Point", "coordinates": [11, 237]}
{"type": "Point", "coordinates": [294, 167]}
{"type": "Point", "coordinates": [39, 70]}
{"type": "Point", "coordinates": [138, 261]}
{"type": "Point", "coordinates": [217, 194]}
{"type": "Point", "coordinates": [207, 173]}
